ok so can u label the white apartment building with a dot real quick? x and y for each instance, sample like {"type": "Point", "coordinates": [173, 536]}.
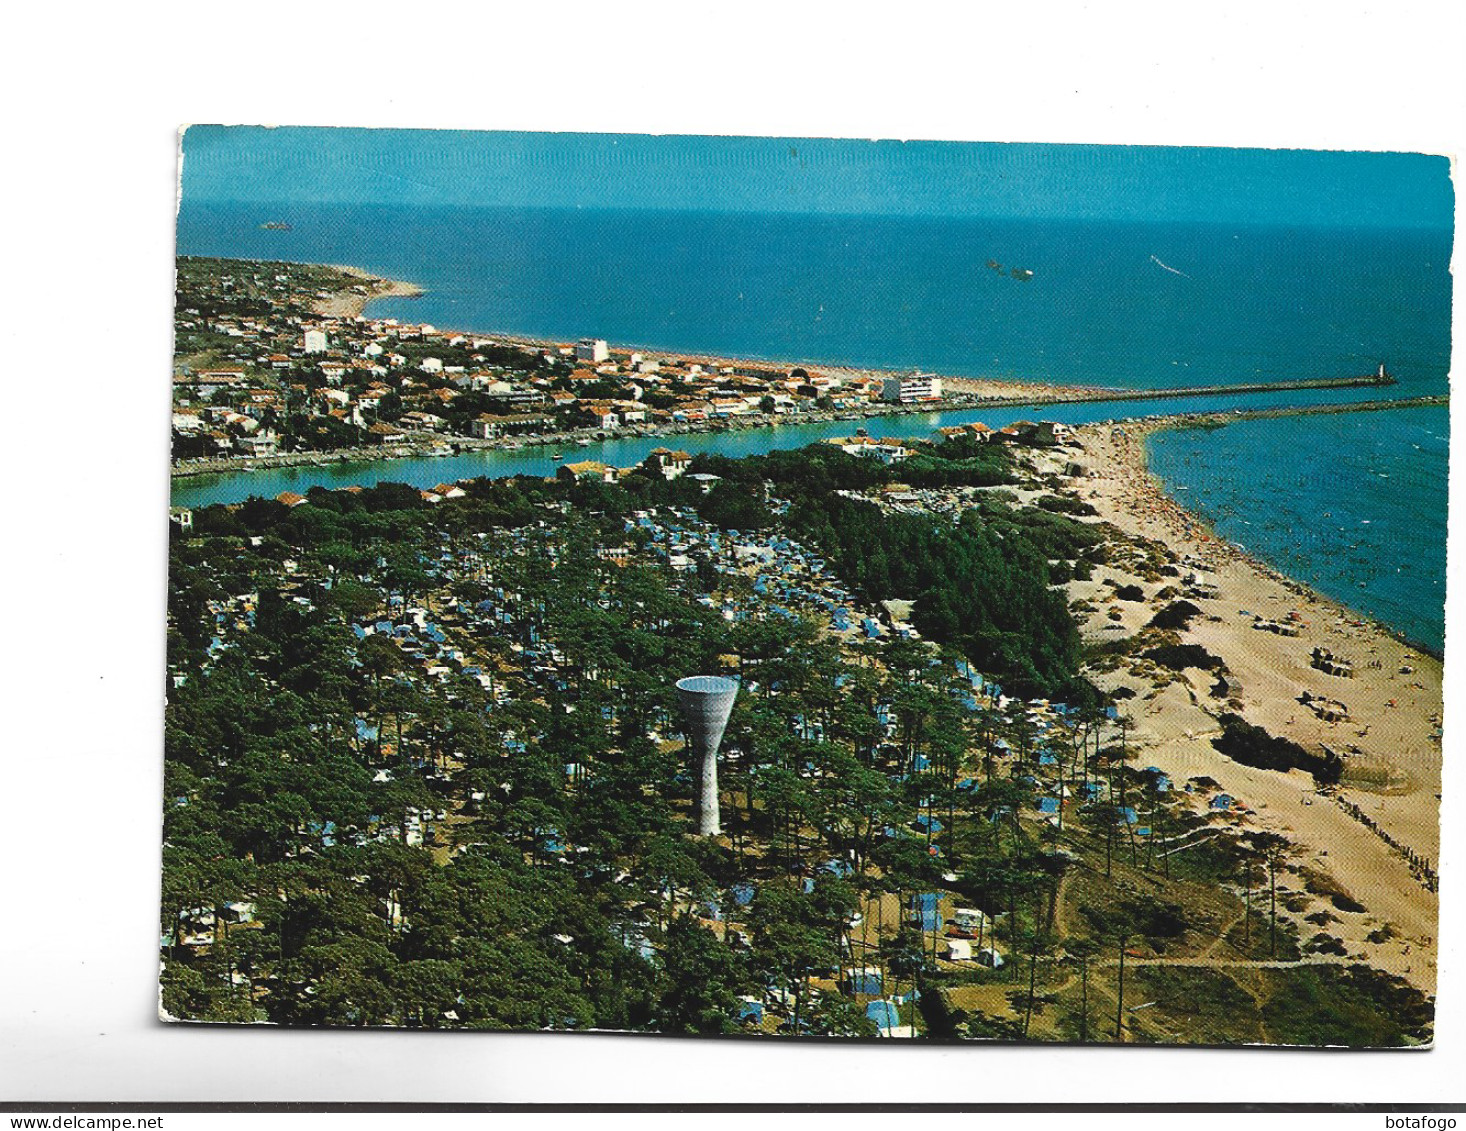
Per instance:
{"type": "Point", "coordinates": [909, 390]}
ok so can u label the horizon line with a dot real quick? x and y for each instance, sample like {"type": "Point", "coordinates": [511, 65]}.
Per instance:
{"type": "Point", "coordinates": [1446, 223]}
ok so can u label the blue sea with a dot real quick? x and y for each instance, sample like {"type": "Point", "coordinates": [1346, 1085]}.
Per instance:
{"type": "Point", "coordinates": [1355, 504]}
{"type": "Point", "coordinates": [1123, 304]}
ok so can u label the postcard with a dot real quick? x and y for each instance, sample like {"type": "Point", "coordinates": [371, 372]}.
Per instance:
{"type": "Point", "coordinates": [806, 588]}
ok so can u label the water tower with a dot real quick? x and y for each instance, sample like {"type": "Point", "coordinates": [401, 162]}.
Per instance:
{"type": "Point", "coordinates": [706, 702]}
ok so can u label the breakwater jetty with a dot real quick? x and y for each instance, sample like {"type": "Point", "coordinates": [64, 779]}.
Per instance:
{"type": "Point", "coordinates": [1219, 419]}
{"type": "Point", "coordinates": [1382, 379]}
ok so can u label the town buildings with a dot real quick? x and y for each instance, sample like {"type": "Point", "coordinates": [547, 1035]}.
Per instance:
{"type": "Point", "coordinates": [592, 350]}
{"type": "Point", "coordinates": [910, 390]}
{"type": "Point", "coordinates": [264, 372]}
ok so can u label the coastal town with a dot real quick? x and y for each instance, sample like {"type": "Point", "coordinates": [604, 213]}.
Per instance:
{"type": "Point", "coordinates": [277, 358]}
{"type": "Point", "coordinates": [1019, 749]}
{"type": "Point", "coordinates": [276, 364]}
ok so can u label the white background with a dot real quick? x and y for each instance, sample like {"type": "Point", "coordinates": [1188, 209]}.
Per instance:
{"type": "Point", "coordinates": [94, 99]}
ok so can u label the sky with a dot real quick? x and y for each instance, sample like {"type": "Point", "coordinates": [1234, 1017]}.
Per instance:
{"type": "Point", "coordinates": [571, 170]}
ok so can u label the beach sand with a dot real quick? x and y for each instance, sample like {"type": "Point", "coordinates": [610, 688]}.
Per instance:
{"type": "Point", "coordinates": [1038, 392]}
{"type": "Point", "coordinates": [350, 303]}
{"type": "Point", "coordinates": [1392, 752]}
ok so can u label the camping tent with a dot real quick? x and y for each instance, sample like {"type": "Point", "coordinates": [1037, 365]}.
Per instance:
{"type": "Point", "coordinates": [926, 906]}
{"type": "Point", "coordinates": [751, 1009]}
{"type": "Point", "coordinates": [884, 1014]}
{"type": "Point", "coordinates": [863, 979]}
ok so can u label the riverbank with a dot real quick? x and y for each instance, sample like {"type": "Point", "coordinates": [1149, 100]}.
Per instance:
{"type": "Point", "coordinates": [1376, 835]}
{"type": "Point", "coordinates": [423, 444]}
{"type": "Point", "coordinates": [428, 444]}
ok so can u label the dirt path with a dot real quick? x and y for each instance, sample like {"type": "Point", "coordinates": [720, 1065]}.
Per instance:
{"type": "Point", "coordinates": [1221, 938]}
{"type": "Point", "coordinates": [1200, 962]}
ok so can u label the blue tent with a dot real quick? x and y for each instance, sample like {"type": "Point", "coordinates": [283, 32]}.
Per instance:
{"type": "Point", "coordinates": [927, 905]}
{"type": "Point", "coordinates": [326, 831]}
{"type": "Point", "coordinates": [751, 1010]}
{"type": "Point", "coordinates": [1049, 806]}
{"type": "Point", "coordinates": [1159, 778]}
{"type": "Point", "coordinates": [884, 1014]}
{"type": "Point", "coordinates": [866, 982]}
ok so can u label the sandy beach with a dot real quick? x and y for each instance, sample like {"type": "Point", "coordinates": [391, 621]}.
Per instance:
{"type": "Point", "coordinates": [1389, 738]}
{"type": "Point", "coordinates": [350, 303]}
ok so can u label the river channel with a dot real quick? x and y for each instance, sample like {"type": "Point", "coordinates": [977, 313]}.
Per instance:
{"type": "Point", "coordinates": [424, 471]}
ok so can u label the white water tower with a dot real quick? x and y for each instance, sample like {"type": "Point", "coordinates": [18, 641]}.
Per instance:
{"type": "Point", "coordinates": [706, 702]}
